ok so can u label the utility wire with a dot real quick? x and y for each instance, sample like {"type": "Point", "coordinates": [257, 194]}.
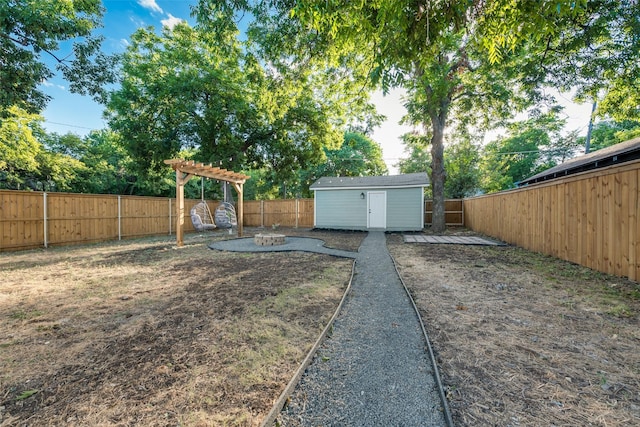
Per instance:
{"type": "Point", "coordinates": [67, 124]}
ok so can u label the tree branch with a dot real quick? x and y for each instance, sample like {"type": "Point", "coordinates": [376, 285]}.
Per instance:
{"type": "Point", "coordinates": [26, 42]}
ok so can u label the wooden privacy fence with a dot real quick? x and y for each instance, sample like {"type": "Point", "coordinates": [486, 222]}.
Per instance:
{"type": "Point", "coordinates": [39, 219]}
{"type": "Point", "coordinates": [590, 218]}
{"type": "Point", "coordinates": [36, 219]}
{"type": "Point", "coordinates": [286, 213]}
{"type": "Point", "coordinates": [453, 212]}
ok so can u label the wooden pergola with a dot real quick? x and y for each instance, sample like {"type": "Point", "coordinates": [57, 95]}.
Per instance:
{"type": "Point", "coordinates": [187, 169]}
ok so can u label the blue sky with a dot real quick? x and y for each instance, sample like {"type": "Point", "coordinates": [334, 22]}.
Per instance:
{"type": "Point", "coordinates": [67, 112]}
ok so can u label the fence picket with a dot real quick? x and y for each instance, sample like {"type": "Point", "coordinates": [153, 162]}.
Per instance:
{"type": "Point", "coordinates": [591, 218]}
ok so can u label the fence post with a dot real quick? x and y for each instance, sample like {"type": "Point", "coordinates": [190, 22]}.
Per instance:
{"type": "Point", "coordinates": [119, 219]}
{"type": "Point", "coordinates": [261, 213]}
{"type": "Point", "coordinates": [170, 218]}
{"type": "Point", "coordinates": [297, 211]}
{"type": "Point", "coordinates": [44, 222]}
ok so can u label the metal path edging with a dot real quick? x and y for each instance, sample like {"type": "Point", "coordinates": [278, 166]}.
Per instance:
{"type": "Point", "coordinates": [288, 390]}
{"type": "Point", "coordinates": [436, 372]}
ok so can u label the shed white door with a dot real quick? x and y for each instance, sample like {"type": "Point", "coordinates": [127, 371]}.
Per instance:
{"type": "Point", "coordinates": [377, 205]}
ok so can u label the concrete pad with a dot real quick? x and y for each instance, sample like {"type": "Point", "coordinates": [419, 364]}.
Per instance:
{"type": "Point", "coordinates": [451, 240]}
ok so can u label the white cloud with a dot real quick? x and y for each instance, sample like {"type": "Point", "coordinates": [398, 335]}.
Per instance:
{"type": "Point", "coordinates": [49, 84]}
{"type": "Point", "coordinates": [151, 5]}
{"type": "Point", "coordinates": [124, 43]}
{"type": "Point", "coordinates": [171, 21]}
{"type": "Point", "coordinates": [137, 22]}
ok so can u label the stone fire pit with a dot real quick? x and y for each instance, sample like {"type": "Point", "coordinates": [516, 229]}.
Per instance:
{"type": "Point", "coordinates": [269, 239]}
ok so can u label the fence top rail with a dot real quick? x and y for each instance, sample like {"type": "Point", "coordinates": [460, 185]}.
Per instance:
{"type": "Point", "coordinates": [91, 195]}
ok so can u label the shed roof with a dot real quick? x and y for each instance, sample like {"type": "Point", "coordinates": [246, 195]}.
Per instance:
{"type": "Point", "coordinates": [619, 153]}
{"type": "Point", "coordinates": [418, 179]}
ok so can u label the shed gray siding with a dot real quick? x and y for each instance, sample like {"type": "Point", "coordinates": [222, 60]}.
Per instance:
{"type": "Point", "coordinates": [340, 209]}
{"type": "Point", "coordinates": [339, 205]}
{"type": "Point", "coordinates": [405, 209]}
{"type": "Point", "coordinates": [345, 210]}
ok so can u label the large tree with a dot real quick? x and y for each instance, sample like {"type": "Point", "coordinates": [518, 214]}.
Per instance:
{"type": "Point", "coordinates": [467, 60]}
{"type": "Point", "coordinates": [310, 98]}
{"type": "Point", "coordinates": [181, 89]}
{"type": "Point", "coordinates": [461, 162]}
{"type": "Point", "coordinates": [610, 132]}
{"type": "Point", "coordinates": [34, 34]}
{"type": "Point", "coordinates": [204, 88]}
{"type": "Point", "coordinates": [19, 147]}
{"type": "Point", "coordinates": [357, 156]}
{"type": "Point", "coordinates": [596, 52]}
{"type": "Point", "coordinates": [445, 56]}
{"type": "Point", "coordinates": [529, 147]}
{"type": "Point", "coordinates": [25, 163]}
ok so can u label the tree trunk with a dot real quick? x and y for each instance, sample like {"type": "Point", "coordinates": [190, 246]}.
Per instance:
{"type": "Point", "coordinates": [438, 103]}
{"type": "Point", "coordinates": [438, 175]}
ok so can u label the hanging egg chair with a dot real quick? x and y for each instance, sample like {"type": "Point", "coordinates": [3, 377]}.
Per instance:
{"type": "Point", "coordinates": [225, 214]}
{"type": "Point", "coordinates": [201, 217]}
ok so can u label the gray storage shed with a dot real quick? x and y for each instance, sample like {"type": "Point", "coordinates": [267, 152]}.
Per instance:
{"type": "Point", "coordinates": [392, 203]}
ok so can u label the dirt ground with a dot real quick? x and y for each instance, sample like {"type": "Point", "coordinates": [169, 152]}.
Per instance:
{"type": "Point", "coordinates": [524, 339]}
{"type": "Point", "coordinates": [141, 333]}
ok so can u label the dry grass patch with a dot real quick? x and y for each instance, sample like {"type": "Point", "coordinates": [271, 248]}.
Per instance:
{"type": "Point", "coordinates": [142, 333]}
{"type": "Point", "coordinates": [525, 339]}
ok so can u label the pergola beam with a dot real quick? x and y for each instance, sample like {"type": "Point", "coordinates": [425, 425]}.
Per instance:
{"type": "Point", "coordinates": [208, 171]}
{"type": "Point", "coordinates": [187, 169]}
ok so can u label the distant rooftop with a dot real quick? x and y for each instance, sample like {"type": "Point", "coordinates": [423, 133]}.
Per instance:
{"type": "Point", "coordinates": [619, 153]}
{"type": "Point", "coordinates": [419, 179]}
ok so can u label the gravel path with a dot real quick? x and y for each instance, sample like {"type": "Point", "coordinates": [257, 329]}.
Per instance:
{"type": "Point", "coordinates": [374, 369]}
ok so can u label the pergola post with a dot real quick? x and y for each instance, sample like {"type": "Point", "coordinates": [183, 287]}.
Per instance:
{"type": "Point", "coordinates": [238, 188]}
{"type": "Point", "coordinates": [185, 170]}
{"type": "Point", "coordinates": [181, 180]}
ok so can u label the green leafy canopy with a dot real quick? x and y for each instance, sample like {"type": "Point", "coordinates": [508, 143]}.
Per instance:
{"type": "Point", "coordinates": [35, 33]}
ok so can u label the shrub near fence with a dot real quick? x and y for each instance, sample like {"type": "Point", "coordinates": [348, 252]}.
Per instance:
{"type": "Point", "coordinates": [591, 218]}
